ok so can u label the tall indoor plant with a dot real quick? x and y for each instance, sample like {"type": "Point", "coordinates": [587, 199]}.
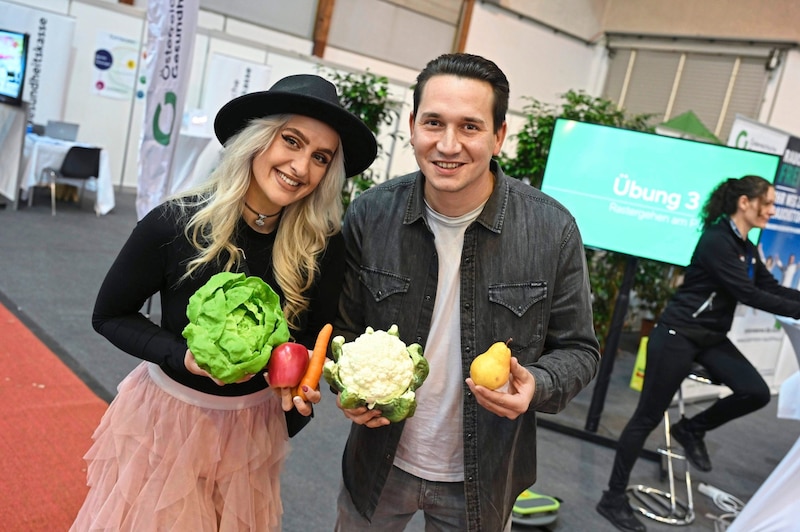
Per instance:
{"type": "Point", "coordinates": [366, 95]}
{"type": "Point", "coordinates": [654, 280]}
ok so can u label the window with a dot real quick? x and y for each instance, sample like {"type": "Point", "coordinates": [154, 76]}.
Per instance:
{"type": "Point", "coordinates": [716, 82]}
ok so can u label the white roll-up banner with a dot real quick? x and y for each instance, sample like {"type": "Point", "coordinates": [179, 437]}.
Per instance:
{"type": "Point", "coordinates": [49, 58]}
{"type": "Point", "coordinates": [228, 77]}
{"type": "Point", "coordinates": [756, 333]}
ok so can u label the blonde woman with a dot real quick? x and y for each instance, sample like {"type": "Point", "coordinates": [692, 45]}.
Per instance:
{"type": "Point", "coordinates": [177, 449]}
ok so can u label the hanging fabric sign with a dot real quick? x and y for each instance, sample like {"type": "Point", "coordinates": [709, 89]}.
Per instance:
{"type": "Point", "coordinates": [168, 57]}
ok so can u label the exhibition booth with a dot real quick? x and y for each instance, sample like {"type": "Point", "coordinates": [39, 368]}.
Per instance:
{"type": "Point", "coordinates": [37, 49]}
{"type": "Point", "coordinates": [619, 209]}
{"type": "Point", "coordinates": [89, 68]}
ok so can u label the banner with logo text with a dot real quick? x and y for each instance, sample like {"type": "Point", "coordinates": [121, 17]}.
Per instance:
{"type": "Point", "coordinates": [50, 41]}
{"type": "Point", "coordinates": [168, 58]}
{"type": "Point", "coordinates": [756, 333]}
{"type": "Point", "coordinates": [49, 57]}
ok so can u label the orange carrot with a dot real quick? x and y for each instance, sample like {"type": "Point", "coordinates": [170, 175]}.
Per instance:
{"type": "Point", "coordinates": [318, 355]}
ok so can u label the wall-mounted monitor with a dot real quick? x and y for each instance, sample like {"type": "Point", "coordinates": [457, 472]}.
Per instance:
{"type": "Point", "coordinates": [641, 193]}
{"type": "Point", "coordinates": [13, 61]}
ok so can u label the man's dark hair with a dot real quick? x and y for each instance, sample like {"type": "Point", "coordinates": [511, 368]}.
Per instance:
{"type": "Point", "coordinates": [468, 66]}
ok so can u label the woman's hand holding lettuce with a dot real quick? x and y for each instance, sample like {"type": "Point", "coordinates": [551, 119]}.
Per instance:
{"type": "Point", "coordinates": [234, 323]}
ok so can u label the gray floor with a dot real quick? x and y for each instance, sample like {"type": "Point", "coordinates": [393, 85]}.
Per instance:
{"type": "Point", "coordinates": [52, 268]}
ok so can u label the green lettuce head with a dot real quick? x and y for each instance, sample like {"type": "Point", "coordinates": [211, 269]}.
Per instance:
{"type": "Point", "coordinates": [234, 322]}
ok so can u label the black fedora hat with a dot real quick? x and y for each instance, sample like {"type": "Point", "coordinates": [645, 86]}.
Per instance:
{"type": "Point", "coordinates": [308, 95]}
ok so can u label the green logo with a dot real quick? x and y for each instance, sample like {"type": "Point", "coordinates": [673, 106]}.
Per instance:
{"type": "Point", "coordinates": [163, 138]}
{"type": "Point", "coordinates": [741, 139]}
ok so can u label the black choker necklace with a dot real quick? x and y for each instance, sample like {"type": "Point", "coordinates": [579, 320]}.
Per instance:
{"type": "Point", "coordinates": [261, 217]}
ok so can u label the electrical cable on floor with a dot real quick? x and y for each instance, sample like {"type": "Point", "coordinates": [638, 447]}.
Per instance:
{"type": "Point", "coordinates": [721, 522]}
{"type": "Point", "coordinates": [724, 500]}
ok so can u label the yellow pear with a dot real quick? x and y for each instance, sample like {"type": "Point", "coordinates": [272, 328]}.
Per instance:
{"type": "Point", "coordinates": [500, 351]}
{"type": "Point", "coordinates": [491, 368]}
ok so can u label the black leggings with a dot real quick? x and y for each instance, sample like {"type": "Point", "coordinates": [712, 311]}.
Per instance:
{"type": "Point", "coordinates": [669, 360]}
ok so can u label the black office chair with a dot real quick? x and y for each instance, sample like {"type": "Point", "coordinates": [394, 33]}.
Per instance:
{"type": "Point", "coordinates": [81, 163]}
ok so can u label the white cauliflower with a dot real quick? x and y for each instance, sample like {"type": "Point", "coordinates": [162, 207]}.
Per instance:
{"type": "Point", "coordinates": [376, 366]}
{"type": "Point", "coordinates": [377, 370]}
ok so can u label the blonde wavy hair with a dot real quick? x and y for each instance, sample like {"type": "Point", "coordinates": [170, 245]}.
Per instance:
{"type": "Point", "coordinates": [304, 228]}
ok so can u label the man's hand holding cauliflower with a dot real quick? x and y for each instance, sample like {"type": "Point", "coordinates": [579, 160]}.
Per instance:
{"type": "Point", "coordinates": [376, 375]}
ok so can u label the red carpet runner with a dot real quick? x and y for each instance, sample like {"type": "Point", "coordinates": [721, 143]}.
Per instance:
{"type": "Point", "coordinates": [46, 422]}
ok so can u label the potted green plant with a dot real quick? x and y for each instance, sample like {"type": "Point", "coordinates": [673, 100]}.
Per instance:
{"type": "Point", "coordinates": [654, 284]}
{"type": "Point", "coordinates": [366, 95]}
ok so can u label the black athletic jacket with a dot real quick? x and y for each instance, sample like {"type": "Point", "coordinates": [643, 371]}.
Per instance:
{"type": "Point", "coordinates": [725, 270]}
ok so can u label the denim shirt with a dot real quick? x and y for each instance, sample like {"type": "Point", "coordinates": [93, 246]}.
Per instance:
{"type": "Point", "coordinates": [523, 276]}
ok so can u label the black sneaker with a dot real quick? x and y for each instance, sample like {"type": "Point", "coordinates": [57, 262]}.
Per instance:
{"type": "Point", "coordinates": [693, 445]}
{"type": "Point", "coordinates": [615, 508]}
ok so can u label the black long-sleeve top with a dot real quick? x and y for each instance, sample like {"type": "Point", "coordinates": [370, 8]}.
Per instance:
{"type": "Point", "coordinates": [725, 270]}
{"type": "Point", "coordinates": [153, 260]}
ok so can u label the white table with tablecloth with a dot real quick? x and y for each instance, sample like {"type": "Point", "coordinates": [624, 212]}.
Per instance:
{"type": "Point", "coordinates": [40, 152]}
{"type": "Point", "coordinates": [776, 504]}
{"type": "Point", "coordinates": [12, 131]}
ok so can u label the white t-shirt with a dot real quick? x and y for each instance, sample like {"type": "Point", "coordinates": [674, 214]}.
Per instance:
{"type": "Point", "coordinates": [432, 445]}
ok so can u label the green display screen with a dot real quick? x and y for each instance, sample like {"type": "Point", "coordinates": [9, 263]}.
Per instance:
{"type": "Point", "coordinates": [641, 193]}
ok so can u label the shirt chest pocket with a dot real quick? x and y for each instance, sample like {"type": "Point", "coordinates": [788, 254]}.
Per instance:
{"type": "Point", "coordinates": [518, 312]}
{"type": "Point", "coordinates": [387, 291]}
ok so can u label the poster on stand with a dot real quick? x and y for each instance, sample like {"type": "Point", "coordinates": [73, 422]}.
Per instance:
{"type": "Point", "coordinates": [228, 77]}
{"type": "Point", "coordinates": [115, 61]}
{"type": "Point", "coordinates": [49, 58]}
{"type": "Point", "coordinates": [756, 333]}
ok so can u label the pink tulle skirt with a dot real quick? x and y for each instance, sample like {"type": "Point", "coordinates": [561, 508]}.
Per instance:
{"type": "Point", "coordinates": [166, 457]}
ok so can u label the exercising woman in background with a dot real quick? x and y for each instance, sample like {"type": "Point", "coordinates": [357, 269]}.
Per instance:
{"type": "Point", "coordinates": [725, 270]}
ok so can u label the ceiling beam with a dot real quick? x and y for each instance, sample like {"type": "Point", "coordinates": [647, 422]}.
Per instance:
{"type": "Point", "coordinates": [464, 20]}
{"type": "Point", "coordinates": [322, 26]}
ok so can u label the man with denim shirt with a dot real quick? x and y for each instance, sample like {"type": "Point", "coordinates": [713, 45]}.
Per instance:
{"type": "Point", "coordinates": [460, 256]}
